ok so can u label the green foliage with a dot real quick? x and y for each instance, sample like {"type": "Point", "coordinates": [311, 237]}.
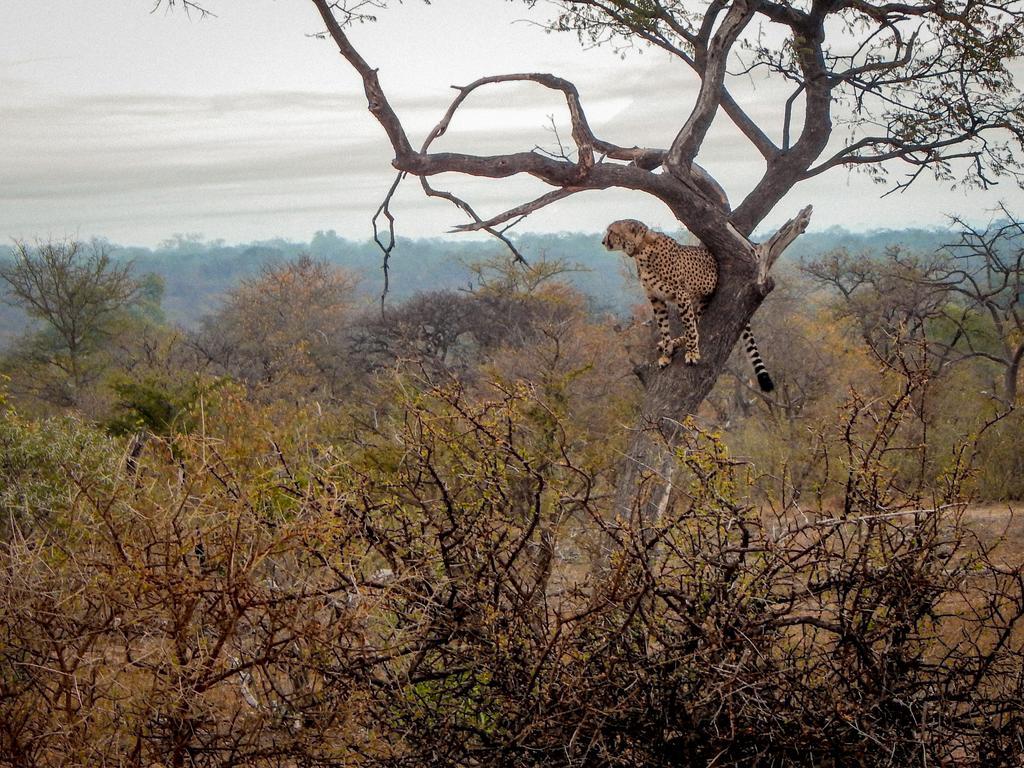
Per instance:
{"type": "Point", "coordinates": [149, 303]}
{"type": "Point", "coordinates": [1000, 460]}
{"type": "Point", "coordinates": [45, 465]}
{"type": "Point", "coordinates": [82, 299]}
{"type": "Point", "coordinates": [154, 404]}
{"type": "Point", "coordinates": [639, 14]}
{"type": "Point", "coordinates": [968, 329]}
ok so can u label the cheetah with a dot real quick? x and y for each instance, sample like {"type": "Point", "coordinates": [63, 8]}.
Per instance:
{"type": "Point", "coordinates": [684, 274]}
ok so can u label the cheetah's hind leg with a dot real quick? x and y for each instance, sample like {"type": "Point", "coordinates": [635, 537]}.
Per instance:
{"type": "Point", "coordinates": [689, 314]}
{"type": "Point", "coordinates": [667, 345]}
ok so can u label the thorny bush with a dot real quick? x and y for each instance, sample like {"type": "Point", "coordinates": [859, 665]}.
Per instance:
{"type": "Point", "coordinates": [451, 587]}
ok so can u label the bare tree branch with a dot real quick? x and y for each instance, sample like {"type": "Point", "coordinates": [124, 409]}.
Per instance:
{"type": "Point", "coordinates": [386, 248]}
{"type": "Point", "coordinates": [518, 212]}
{"type": "Point", "coordinates": [768, 252]}
{"type": "Point", "coordinates": [712, 59]}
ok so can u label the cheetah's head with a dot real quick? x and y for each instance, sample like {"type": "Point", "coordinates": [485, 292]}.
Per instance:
{"type": "Point", "coordinates": [624, 235]}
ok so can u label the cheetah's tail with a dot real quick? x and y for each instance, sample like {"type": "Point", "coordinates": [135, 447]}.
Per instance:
{"type": "Point", "coordinates": [763, 379]}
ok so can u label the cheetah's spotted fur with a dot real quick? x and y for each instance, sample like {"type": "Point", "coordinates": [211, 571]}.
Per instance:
{"type": "Point", "coordinates": [686, 275]}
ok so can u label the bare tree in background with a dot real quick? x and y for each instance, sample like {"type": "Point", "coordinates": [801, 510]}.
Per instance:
{"type": "Point", "coordinates": [283, 330]}
{"type": "Point", "coordinates": [77, 291]}
{"type": "Point", "coordinates": [987, 276]}
{"type": "Point", "coordinates": [889, 299]}
{"type": "Point", "coordinates": [965, 302]}
{"type": "Point", "coordinates": [920, 83]}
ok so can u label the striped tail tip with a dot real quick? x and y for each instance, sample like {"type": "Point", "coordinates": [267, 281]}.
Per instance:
{"type": "Point", "coordinates": [765, 382]}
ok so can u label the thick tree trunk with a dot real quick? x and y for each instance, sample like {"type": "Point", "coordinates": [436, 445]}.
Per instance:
{"type": "Point", "coordinates": [645, 477]}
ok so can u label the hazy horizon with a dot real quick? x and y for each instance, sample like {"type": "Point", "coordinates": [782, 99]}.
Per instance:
{"type": "Point", "coordinates": [202, 239]}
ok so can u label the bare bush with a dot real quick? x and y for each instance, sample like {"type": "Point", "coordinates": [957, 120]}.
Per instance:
{"type": "Point", "coordinates": [428, 596]}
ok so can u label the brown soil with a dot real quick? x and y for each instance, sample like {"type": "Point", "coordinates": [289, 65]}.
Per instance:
{"type": "Point", "coordinates": [1001, 525]}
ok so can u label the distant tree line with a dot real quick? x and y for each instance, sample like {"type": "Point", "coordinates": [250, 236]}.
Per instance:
{"type": "Point", "coordinates": [196, 273]}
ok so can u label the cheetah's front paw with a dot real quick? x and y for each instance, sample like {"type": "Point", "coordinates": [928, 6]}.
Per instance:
{"type": "Point", "coordinates": [663, 361]}
{"type": "Point", "coordinates": [692, 357]}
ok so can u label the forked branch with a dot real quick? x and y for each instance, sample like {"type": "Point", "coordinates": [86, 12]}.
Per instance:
{"type": "Point", "coordinates": [581, 133]}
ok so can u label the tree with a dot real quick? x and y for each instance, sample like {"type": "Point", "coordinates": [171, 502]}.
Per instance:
{"type": "Point", "coordinates": [925, 83]}
{"type": "Point", "coordinates": [284, 329]}
{"type": "Point", "coordinates": [814, 366]}
{"type": "Point", "coordinates": [963, 302]}
{"type": "Point", "coordinates": [920, 83]}
{"type": "Point", "coordinates": [886, 298]}
{"type": "Point", "coordinates": [986, 275]}
{"type": "Point", "coordinates": [79, 293]}
{"type": "Point", "coordinates": [508, 306]}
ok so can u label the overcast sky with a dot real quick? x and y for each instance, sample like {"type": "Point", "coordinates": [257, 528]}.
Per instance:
{"type": "Point", "coordinates": [132, 125]}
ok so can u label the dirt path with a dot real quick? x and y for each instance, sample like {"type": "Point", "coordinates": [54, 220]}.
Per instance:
{"type": "Point", "coordinates": [1002, 522]}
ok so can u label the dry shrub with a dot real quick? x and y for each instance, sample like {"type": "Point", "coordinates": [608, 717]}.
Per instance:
{"type": "Point", "coordinates": [430, 591]}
